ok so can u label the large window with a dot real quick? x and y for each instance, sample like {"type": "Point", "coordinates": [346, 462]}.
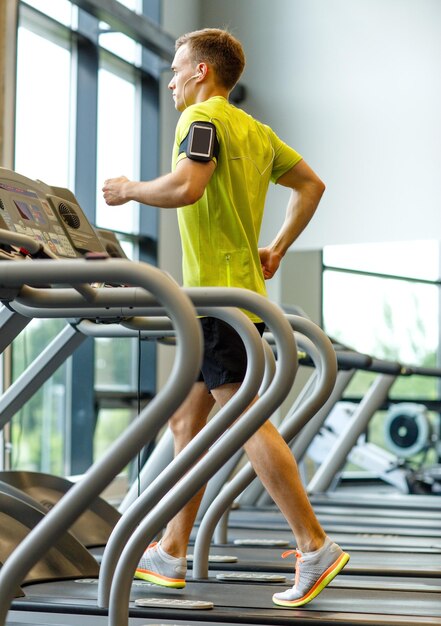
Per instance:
{"type": "Point", "coordinates": [118, 43]}
{"type": "Point", "coordinates": [78, 119]}
{"type": "Point", "coordinates": [116, 145]}
{"type": "Point", "coordinates": [61, 10]}
{"type": "Point", "coordinates": [42, 144]}
{"type": "Point", "coordinates": [43, 148]}
{"type": "Point", "coordinates": [384, 300]}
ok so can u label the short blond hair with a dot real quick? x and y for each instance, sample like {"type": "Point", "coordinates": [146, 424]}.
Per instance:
{"type": "Point", "coordinates": [220, 49]}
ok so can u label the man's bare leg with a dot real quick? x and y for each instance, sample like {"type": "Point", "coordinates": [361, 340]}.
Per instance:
{"type": "Point", "coordinates": [276, 467]}
{"type": "Point", "coordinates": [186, 422]}
{"type": "Point", "coordinates": [272, 460]}
{"type": "Point", "coordinates": [319, 559]}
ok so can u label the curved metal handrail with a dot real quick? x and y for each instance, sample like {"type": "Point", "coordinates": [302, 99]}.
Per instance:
{"type": "Point", "coordinates": [176, 469]}
{"type": "Point", "coordinates": [327, 371]}
{"type": "Point", "coordinates": [217, 455]}
{"type": "Point", "coordinates": [186, 367]}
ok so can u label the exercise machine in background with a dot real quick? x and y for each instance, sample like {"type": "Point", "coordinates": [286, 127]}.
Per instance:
{"type": "Point", "coordinates": [409, 435]}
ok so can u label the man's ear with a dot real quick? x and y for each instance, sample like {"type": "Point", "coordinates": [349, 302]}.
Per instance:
{"type": "Point", "coordinates": [202, 70]}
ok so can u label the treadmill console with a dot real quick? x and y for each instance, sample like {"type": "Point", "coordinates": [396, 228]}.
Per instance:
{"type": "Point", "coordinates": [51, 216]}
{"type": "Point", "coordinates": [111, 243]}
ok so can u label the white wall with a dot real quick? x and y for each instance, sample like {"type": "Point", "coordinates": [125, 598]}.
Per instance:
{"type": "Point", "coordinates": [355, 86]}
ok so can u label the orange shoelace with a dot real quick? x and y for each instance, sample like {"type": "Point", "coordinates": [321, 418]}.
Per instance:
{"type": "Point", "coordinates": [299, 560]}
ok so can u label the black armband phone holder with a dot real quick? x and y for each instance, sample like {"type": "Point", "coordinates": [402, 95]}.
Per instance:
{"type": "Point", "coordinates": [201, 143]}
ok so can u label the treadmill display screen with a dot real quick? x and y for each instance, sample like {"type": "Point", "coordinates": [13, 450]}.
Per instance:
{"type": "Point", "coordinates": [30, 215]}
{"type": "Point", "coordinates": [23, 210]}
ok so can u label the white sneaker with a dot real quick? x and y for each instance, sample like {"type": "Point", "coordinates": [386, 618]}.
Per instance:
{"type": "Point", "coordinates": [314, 571]}
{"type": "Point", "coordinates": [160, 568]}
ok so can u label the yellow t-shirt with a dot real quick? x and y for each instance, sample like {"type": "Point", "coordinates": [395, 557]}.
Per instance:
{"type": "Point", "coordinates": [220, 232]}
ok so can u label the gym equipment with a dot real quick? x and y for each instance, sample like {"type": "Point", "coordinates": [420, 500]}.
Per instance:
{"type": "Point", "coordinates": [47, 219]}
{"type": "Point", "coordinates": [346, 444]}
{"type": "Point", "coordinates": [25, 202]}
{"type": "Point", "coordinates": [128, 522]}
{"type": "Point", "coordinates": [22, 208]}
{"type": "Point", "coordinates": [249, 600]}
{"type": "Point", "coordinates": [186, 324]}
{"type": "Point", "coordinates": [353, 532]}
{"type": "Point", "coordinates": [94, 526]}
{"type": "Point", "coordinates": [46, 222]}
{"type": "Point", "coordinates": [407, 431]}
{"type": "Point", "coordinates": [348, 363]}
{"type": "Point", "coordinates": [66, 559]}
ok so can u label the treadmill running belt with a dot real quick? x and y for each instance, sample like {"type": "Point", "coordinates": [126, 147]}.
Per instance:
{"type": "Point", "coordinates": [252, 600]}
{"type": "Point", "coordinates": [362, 562]}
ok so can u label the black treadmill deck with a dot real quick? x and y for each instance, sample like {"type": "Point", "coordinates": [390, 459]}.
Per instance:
{"type": "Point", "coordinates": [242, 603]}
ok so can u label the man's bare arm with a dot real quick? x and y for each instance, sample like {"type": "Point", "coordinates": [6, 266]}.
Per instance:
{"type": "Point", "coordinates": [307, 190]}
{"type": "Point", "coordinates": [184, 186]}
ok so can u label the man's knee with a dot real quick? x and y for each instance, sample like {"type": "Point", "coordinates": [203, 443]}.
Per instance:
{"type": "Point", "coordinates": [185, 427]}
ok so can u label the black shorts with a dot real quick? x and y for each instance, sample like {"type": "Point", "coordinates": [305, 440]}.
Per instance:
{"type": "Point", "coordinates": [225, 358]}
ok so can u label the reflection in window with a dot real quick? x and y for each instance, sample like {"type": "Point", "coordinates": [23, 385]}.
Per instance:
{"type": "Point", "coordinates": [116, 147]}
{"type": "Point", "coordinates": [43, 109]}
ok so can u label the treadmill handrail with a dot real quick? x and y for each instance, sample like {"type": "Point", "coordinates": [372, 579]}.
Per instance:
{"type": "Point", "coordinates": [162, 455]}
{"type": "Point", "coordinates": [184, 372]}
{"type": "Point", "coordinates": [327, 373]}
{"type": "Point", "coordinates": [218, 481]}
{"type": "Point", "coordinates": [159, 487]}
{"type": "Point", "coordinates": [337, 455]}
{"type": "Point", "coordinates": [20, 240]}
{"type": "Point", "coordinates": [149, 328]}
{"type": "Point", "coordinates": [223, 449]}
{"type": "Point", "coordinates": [225, 473]}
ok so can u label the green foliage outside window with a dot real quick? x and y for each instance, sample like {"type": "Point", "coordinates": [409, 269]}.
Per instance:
{"type": "Point", "coordinates": [38, 430]}
{"type": "Point", "coordinates": [389, 319]}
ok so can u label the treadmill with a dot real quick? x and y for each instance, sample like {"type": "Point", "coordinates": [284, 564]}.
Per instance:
{"type": "Point", "coordinates": [258, 611]}
{"type": "Point", "coordinates": [371, 514]}
{"type": "Point", "coordinates": [49, 221]}
{"type": "Point", "coordinates": [25, 203]}
{"type": "Point", "coordinates": [245, 603]}
{"type": "Point", "coordinates": [378, 544]}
